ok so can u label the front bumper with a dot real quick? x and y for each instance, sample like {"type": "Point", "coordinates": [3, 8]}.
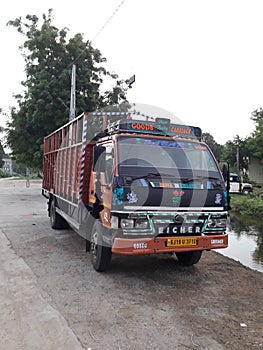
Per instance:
{"type": "Point", "coordinates": [139, 246]}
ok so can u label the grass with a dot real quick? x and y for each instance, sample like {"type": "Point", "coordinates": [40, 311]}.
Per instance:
{"type": "Point", "coordinates": [3, 175]}
{"type": "Point", "coordinates": [33, 176]}
{"type": "Point", "coordinates": [251, 204]}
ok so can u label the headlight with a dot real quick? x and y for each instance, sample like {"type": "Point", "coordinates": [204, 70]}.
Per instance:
{"type": "Point", "coordinates": [219, 223]}
{"type": "Point", "coordinates": [127, 223]}
{"type": "Point", "coordinates": [141, 224]}
{"type": "Point", "coordinates": [134, 223]}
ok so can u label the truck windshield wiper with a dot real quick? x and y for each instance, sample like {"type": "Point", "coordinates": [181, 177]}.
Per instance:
{"type": "Point", "coordinates": [198, 178]}
{"type": "Point", "coordinates": [149, 175]}
{"type": "Point", "coordinates": [162, 175]}
{"type": "Point", "coordinates": [173, 177]}
{"type": "Point", "coordinates": [209, 177]}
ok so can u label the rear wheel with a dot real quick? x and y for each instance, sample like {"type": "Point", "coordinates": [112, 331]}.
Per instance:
{"type": "Point", "coordinates": [57, 221]}
{"type": "Point", "coordinates": [189, 258]}
{"type": "Point", "coordinates": [100, 254]}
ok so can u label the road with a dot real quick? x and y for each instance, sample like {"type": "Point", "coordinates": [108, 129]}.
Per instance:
{"type": "Point", "coordinates": [51, 298]}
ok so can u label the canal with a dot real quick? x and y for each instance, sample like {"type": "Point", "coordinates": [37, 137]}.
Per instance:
{"type": "Point", "coordinates": [245, 241]}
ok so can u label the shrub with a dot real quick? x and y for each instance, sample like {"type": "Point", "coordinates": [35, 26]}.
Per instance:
{"type": "Point", "coordinates": [247, 205]}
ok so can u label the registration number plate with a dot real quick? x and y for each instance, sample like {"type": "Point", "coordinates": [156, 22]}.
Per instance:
{"type": "Point", "coordinates": [178, 242]}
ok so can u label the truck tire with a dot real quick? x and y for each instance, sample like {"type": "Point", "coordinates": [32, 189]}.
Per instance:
{"type": "Point", "coordinates": [246, 191]}
{"type": "Point", "coordinates": [189, 258]}
{"type": "Point", "coordinates": [100, 254]}
{"type": "Point", "coordinates": [56, 221]}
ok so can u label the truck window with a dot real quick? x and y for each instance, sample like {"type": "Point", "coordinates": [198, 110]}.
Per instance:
{"type": "Point", "coordinates": [169, 154]}
{"type": "Point", "coordinates": [109, 166]}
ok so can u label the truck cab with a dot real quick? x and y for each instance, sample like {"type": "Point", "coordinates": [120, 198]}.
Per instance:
{"type": "Point", "coordinates": [159, 192]}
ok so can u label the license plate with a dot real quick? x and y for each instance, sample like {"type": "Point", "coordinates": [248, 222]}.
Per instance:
{"type": "Point", "coordinates": [178, 242]}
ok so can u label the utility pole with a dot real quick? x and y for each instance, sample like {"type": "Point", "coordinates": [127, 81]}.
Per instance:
{"type": "Point", "coordinates": [237, 155]}
{"type": "Point", "coordinates": [27, 177]}
{"type": "Point", "coordinates": [72, 113]}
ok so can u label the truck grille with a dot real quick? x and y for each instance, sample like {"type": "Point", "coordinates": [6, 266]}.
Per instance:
{"type": "Point", "coordinates": [177, 230]}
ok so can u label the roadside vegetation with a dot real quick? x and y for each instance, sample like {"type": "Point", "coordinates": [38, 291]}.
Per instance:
{"type": "Point", "coordinates": [3, 175]}
{"type": "Point", "coordinates": [250, 205]}
{"type": "Point", "coordinates": [33, 176]}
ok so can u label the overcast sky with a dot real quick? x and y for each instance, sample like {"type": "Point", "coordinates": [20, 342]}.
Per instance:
{"type": "Point", "coordinates": [199, 59]}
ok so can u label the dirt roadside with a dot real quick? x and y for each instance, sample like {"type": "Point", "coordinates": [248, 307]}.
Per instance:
{"type": "Point", "coordinates": [23, 306]}
{"type": "Point", "coordinates": [140, 303]}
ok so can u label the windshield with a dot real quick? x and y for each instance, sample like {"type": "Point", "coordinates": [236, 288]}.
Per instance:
{"type": "Point", "coordinates": [162, 154]}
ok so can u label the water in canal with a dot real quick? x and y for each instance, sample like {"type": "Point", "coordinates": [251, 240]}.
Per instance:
{"type": "Point", "coordinates": [245, 241]}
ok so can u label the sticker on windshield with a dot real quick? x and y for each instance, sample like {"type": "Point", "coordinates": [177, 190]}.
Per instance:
{"type": "Point", "coordinates": [218, 198]}
{"type": "Point", "coordinates": [209, 185]}
{"type": "Point", "coordinates": [132, 197]}
{"type": "Point", "coordinates": [143, 182]}
{"type": "Point", "coordinates": [177, 194]}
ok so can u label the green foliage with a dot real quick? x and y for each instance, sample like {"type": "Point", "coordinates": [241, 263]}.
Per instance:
{"type": "Point", "coordinates": [234, 151]}
{"type": "Point", "coordinates": [44, 104]}
{"type": "Point", "coordinates": [3, 175]}
{"type": "Point", "coordinates": [247, 205]}
{"type": "Point", "coordinates": [215, 147]}
{"type": "Point", "coordinates": [255, 142]}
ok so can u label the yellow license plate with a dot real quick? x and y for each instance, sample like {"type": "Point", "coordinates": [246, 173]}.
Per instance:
{"type": "Point", "coordinates": [178, 242]}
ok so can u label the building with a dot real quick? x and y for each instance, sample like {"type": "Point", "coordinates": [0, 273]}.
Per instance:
{"type": "Point", "coordinates": [7, 168]}
{"type": "Point", "coordinates": [255, 170]}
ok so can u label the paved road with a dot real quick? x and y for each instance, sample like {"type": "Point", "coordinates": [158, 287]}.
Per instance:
{"type": "Point", "coordinates": [51, 298]}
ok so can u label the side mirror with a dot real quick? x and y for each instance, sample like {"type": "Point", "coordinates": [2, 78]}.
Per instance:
{"type": "Point", "coordinates": [225, 172]}
{"type": "Point", "coordinates": [99, 158]}
{"type": "Point", "coordinates": [224, 168]}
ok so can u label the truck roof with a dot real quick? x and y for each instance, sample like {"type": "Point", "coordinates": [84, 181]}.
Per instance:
{"type": "Point", "coordinates": [160, 126]}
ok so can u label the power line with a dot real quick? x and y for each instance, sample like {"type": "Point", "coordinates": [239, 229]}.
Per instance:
{"type": "Point", "coordinates": [110, 18]}
{"type": "Point", "coordinates": [102, 28]}
{"type": "Point", "coordinates": [73, 78]}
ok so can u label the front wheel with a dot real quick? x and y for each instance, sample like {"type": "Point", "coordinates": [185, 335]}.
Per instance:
{"type": "Point", "coordinates": [189, 258]}
{"type": "Point", "coordinates": [246, 191]}
{"type": "Point", "coordinates": [100, 254]}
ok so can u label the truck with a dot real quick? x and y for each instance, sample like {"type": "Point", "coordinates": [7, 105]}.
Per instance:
{"type": "Point", "coordinates": [139, 186]}
{"type": "Point", "coordinates": [238, 186]}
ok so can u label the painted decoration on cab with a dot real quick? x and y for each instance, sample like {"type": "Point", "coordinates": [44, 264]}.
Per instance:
{"type": "Point", "coordinates": [132, 197]}
{"type": "Point", "coordinates": [117, 196]}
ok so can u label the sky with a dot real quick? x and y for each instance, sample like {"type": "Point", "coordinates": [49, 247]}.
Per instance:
{"type": "Point", "coordinates": [201, 60]}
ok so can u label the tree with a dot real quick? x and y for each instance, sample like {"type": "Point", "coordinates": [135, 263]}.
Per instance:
{"type": "Point", "coordinates": [255, 142]}
{"type": "Point", "coordinates": [215, 147]}
{"type": "Point", "coordinates": [236, 152]}
{"type": "Point", "coordinates": [44, 104]}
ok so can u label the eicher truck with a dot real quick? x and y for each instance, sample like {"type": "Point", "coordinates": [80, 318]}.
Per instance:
{"type": "Point", "coordinates": [140, 186]}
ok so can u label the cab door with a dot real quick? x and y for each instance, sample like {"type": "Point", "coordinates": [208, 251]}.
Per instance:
{"type": "Point", "coordinates": [107, 183]}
